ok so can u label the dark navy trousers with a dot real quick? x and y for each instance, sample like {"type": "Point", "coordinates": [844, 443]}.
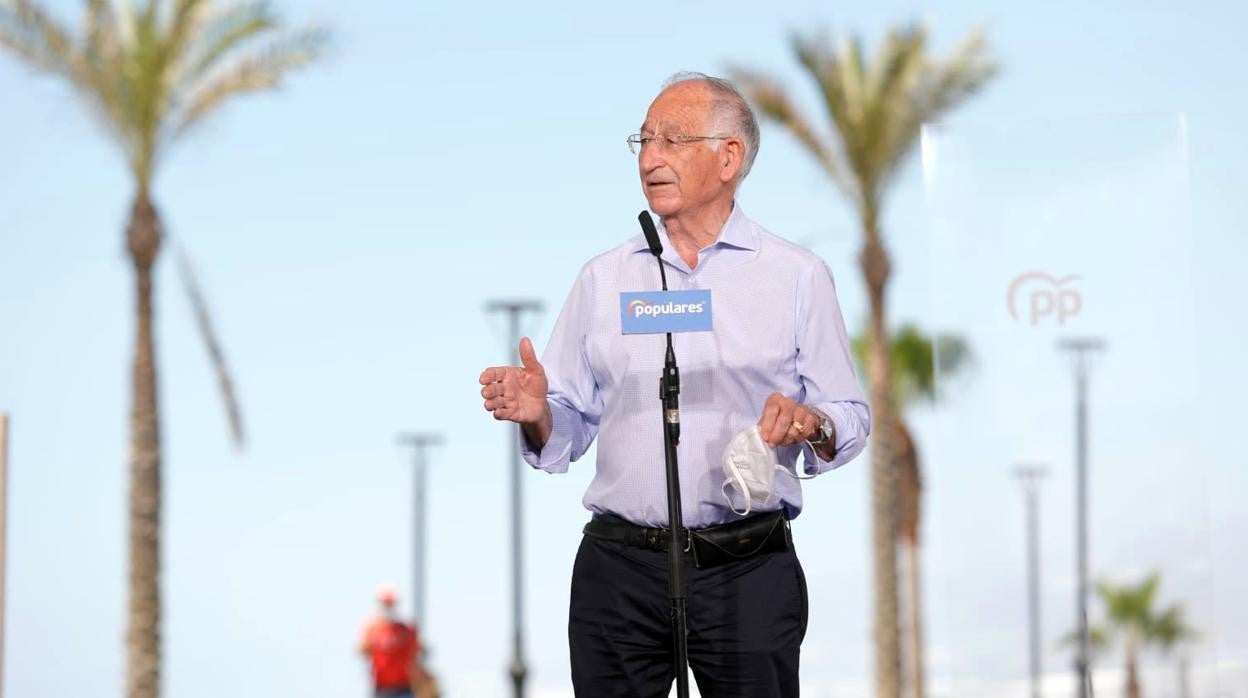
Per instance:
{"type": "Point", "coordinates": [746, 621]}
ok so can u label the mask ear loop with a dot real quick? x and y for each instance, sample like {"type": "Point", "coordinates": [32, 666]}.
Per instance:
{"type": "Point", "coordinates": [732, 470]}
{"type": "Point", "coordinates": [745, 489]}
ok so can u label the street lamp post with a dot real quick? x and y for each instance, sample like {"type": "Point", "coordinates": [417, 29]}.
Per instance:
{"type": "Point", "coordinates": [420, 443]}
{"type": "Point", "coordinates": [1081, 348]}
{"type": "Point", "coordinates": [514, 309]}
{"type": "Point", "coordinates": [1030, 476]}
{"type": "Point", "coordinates": [4, 517]}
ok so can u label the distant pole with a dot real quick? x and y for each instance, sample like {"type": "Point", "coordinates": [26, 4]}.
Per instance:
{"type": "Point", "coordinates": [1030, 476]}
{"type": "Point", "coordinates": [1184, 689]}
{"type": "Point", "coordinates": [1080, 348]}
{"type": "Point", "coordinates": [514, 309]}
{"type": "Point", "coordinates": [420, 443]}
{"type": "Point", "coordinates": [4, 517]}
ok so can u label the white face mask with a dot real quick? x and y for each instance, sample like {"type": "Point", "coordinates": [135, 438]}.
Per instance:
{"type": "Point", "coordinates": [750, 467]}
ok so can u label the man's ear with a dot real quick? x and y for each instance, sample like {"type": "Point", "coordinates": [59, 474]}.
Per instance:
{"type": "Point", "coordinates": [731, 157]}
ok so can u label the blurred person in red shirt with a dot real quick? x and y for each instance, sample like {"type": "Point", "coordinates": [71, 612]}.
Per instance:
{"type": "Point", "coordinates": [392, 648]}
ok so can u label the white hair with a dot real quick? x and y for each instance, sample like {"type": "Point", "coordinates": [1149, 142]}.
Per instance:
{"type": "Point", "coordinates": [731, 113]}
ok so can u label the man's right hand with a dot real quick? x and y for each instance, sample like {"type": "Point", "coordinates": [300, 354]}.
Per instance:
{"type": "Point", "coordinates": [518, 394]}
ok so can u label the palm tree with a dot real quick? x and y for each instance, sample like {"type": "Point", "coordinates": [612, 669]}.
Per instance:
{"type": "Point", "coordinates": [915, 359]}
{"type": "Point", "coordinates": [151, 74]}
{"type": "Point", "coordinates": [876, 108]}
{"type": "Point", "coordinates": [1171, 631]}
{"type": "Point", "coordinates": [1130, 615]}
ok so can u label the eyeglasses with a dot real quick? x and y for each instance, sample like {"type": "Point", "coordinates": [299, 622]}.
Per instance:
{"type": "Point", "coordinates": [638, 142]}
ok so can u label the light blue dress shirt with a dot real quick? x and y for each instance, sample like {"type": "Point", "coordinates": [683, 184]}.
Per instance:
{"type": "Point", "coordinates": [777, 327]}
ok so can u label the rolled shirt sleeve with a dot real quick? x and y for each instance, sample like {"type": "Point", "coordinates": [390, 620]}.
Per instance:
{"type": "Point", "coordinates": [826, 368]}
{"type": "Point", "coordinates": [574, 399]}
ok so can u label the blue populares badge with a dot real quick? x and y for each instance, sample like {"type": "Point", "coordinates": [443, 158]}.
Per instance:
{"type": "Point", "coordinates": [653, 312]}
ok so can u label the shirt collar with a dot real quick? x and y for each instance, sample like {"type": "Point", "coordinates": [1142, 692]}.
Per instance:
{"type": "Point", "coordinates": [736, 233]}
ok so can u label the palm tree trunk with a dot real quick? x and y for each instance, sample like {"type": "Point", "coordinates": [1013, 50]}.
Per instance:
{"type": "Point", "coordinates": [909, 494]}
{"type": "Point", "coordinates": [143, 632]}
{"type": "Point", "coordinates": [1184, 685]}
{"type": "Point", "coordinates": [875, 268]}
{"type": "Point", "coordinates": [1133, 678]}
{"type": "Point", "coordinates": [914, 639]}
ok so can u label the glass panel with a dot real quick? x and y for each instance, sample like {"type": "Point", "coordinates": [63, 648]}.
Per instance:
{"type": "Point", "coordinates": [1059, 249]}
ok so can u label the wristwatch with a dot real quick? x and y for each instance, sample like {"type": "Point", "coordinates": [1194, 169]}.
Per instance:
{"type": "Point", "coordinates": [826, 431]}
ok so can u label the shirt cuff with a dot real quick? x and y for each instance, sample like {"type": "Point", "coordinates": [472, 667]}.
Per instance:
{"type": "Point", "coordinates": [850, 437]}
{"type": "Point", "coordinates": [557, 453]}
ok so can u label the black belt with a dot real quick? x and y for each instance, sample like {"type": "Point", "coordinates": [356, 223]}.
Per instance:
{"type": "Point", "coordinates": [611, 527]}
{"type": "Point", "coordinates": [747, 537]}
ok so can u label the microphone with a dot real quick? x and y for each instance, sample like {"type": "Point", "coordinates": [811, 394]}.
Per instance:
{"type": "Point", "coordinates": [656, 249]}
{"type": "Point", "coordinates": [652, 235]}
{"type": "Point", "coordinates": [669, 386]}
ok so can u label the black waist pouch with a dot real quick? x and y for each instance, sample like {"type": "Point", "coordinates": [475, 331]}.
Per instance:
{"type": "Point", "coordinates": [765, 533]}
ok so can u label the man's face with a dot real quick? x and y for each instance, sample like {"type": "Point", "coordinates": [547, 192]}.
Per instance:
{"type": "Point", "coordinates": [677, 178]}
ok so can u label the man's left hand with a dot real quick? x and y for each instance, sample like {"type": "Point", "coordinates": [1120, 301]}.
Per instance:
{"type": "Point", "coordinates": [785, 422]}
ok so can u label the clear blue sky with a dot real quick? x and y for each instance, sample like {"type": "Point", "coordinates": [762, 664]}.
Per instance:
{"type": "Point", "coordinates": [349, 229]}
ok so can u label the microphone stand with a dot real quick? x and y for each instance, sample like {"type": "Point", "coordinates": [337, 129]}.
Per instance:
{"type": "Point", "coordinates": [669, 396]}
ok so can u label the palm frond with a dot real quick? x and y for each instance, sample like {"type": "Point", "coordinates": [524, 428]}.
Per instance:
{"type": "Point", "coordinates": [94, 66]}
{"type": "Point", "coordinates": [899, 58]}
{"type": "Point", "coordinates": [896, 117]}
{"type": "Point", "coordinates": [103, 79]}
{"type": "Point", "coordinates": [943, 85]}
{"type": "Point", "coordinates": [962, 74]}
{"type": "Point", "coordinates": [151, 70]}
{"type": "Point", "coordinates": [1170, 628]}
{"type": "Point", "coordinates": [916, 360]}
{"type": "Point", "coordinates": [840, 72]}
{"type": "Point", "coordinates": [877, 107]}
{"type": "Point", "coordinates": [1129, 612]}
{"type": "Point", "coordinates": [100, 31]}
{"type": "Point", "coordinates": [892, 76]}
{"type": "Point", "coordinates": [208, 333]}
{"type": "Point", "coordinates": [260, 70]}
{"type": "Point", "coordinates": [123, 77]}
{"type": "Point", "coordinates": [36, 37]}
{"type": "Point", "coordinates": [773, 102]}
{"type": "Point", "coordinates": [220, 35]}
{"type": "Point", "coordinates": [1099, 638]}
{"type": "Point", "coordinates": [1128, 606]}
{"type": "Point", "coordinates": [849, 65]}
{"type": "Point", "coordinates": [174, 41]}
{"type": "Point", "coordinates": [913, 363]}
{"type": "Point", "coordinates": [182, 24]}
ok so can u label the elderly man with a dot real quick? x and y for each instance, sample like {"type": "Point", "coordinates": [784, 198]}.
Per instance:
{"type": "Point", "coordinates": [777, 357]}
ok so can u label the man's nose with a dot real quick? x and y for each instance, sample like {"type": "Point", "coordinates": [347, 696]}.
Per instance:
{"type": "Point", "coordinates": [650, 158]}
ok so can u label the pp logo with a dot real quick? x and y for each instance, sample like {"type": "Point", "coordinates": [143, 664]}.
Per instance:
{"type": "Point", "coordinates": [1046, 297]}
